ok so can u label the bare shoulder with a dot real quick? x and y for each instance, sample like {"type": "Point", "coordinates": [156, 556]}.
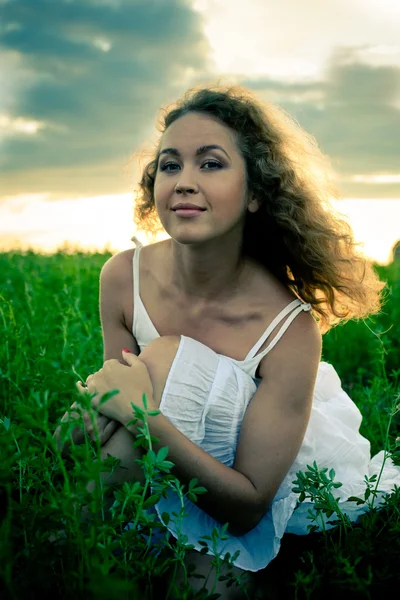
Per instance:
{"type": "Point", "coordinates": [117, 268]}
{"type": "Point", "coordinates": [116, 279]}
{"type": "Point", "coordinates": [116, 286]}
{"type": "Point", "coordinates": [297, 353]}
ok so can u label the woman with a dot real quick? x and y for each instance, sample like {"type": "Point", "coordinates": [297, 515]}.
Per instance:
{"type": "Point", "coordinates": [225, 336]}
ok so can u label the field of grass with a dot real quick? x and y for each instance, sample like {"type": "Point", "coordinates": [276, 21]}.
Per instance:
{"type": "Point", "coordinates": [50, 334]}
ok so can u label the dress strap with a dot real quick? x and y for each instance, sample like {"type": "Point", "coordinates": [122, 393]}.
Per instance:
{"type": "Point", "coordinates": [136, 295]}
{"type": "Point", "coordinates": [136, 241]}
{"type": "Point", "coordinates": [295, 307]}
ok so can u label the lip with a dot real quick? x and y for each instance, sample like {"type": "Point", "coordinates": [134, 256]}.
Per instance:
{"type": "Point", "coordinates": [187, 206]}
{"type": "Point", "coordinates": [188, 212]}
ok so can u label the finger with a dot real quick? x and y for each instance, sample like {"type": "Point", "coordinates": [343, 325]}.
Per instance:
{"type": "Point", "coordinates": [82, 389]}
{"type": "Point", "coordinates": [110, 362]}
{"type": "Point", "coordinates": [88, 424]}
{"type": "Point", "coordinates": [102, 422]}
{"type": "Point", "coordinates": [130, 358]}
{"type": "Point", "coordinates": [86, 418]}
{"type": "Point", "coordinates": [100, 427]}
{"type": "Point", "coordinates": [95, 403]}
{"type": "Point", "coordinates": [109, 430]}
{"type": "Point", "coordinates": [72, 413]}
{"type": "Point", "coordinates": [111, 427]}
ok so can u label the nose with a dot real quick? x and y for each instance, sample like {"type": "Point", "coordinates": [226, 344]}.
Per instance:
{"type": "Point", "coordinates": [182, 188]}
{"type": "Point", "coordinates": [185, 184]}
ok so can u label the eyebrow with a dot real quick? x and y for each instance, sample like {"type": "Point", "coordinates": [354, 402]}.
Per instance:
{"type": "Point", "coordinates": [199, 151]}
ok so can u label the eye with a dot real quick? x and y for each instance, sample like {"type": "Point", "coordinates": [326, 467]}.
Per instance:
{"type": "Point", "coordinates": [215, 162]}
{"type": "Point", "coordinates": [172, 164]}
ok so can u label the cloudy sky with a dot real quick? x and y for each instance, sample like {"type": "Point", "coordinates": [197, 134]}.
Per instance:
{"type": "Point", "coordinates": [82, 81]}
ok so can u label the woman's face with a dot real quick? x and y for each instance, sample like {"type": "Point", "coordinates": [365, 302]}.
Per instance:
{"type": "Point", "coordinates": [214, 180]}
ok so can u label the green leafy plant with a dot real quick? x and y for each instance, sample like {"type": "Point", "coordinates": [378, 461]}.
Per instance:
{"type": "Point", "coordinates": [50, 332]}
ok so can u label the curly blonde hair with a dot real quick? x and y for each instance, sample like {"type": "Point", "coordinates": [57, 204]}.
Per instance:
{"type": "Point", "coordinates": [295, 233]}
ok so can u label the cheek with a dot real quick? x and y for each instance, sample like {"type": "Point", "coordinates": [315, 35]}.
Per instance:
{"type": "Point", "coordinates": [230, 196]}
{"type": "Point", "coordinates": [161, 192]}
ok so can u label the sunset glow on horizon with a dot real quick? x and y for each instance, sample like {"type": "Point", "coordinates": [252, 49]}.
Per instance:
{"type": "Point", "coordinates": [106, 222]}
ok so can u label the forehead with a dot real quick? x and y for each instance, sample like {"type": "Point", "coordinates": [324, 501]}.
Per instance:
{"type": "Point", "coordinates": [194, 129]}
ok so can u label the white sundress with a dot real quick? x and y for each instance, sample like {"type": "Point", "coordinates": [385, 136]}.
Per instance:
{"type": "Point", "coordinates": [206, 396]}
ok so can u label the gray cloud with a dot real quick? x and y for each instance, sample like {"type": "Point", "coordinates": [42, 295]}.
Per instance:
{"type": "Point", "coordinates": [355, 118]}
{"type": "Point", "coordinates": [98, 105]}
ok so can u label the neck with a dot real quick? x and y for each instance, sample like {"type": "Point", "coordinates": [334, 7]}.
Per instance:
{"type": "Point", "coordinates": [207, 272]}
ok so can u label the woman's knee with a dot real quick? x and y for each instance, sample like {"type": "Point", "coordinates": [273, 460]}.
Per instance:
{"type": "Point", "coordinates": [158, 357]}
{"type": "Point", "coordinates": [160, 352]}
{"type": "Point", "coordinates": [164, 346]}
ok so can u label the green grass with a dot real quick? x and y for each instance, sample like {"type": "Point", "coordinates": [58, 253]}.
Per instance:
{"type": "Point", "coordinates": [50, 332]}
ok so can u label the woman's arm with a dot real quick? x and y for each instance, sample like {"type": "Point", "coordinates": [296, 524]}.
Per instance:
{"type": "Point", "coordinates": [112, 298]}
{"type": "Point", "coordinates": [270, 437]}
{"type": "Point", "coordinates": [115, 281]}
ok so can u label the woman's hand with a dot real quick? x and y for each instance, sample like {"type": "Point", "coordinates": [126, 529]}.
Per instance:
{"type": "Point", "coordinates": [102, 426]}
{"type": "Point", "coordinates": [77, 434]}
{"type": "Point", "coordinates": [95, 425]}
{"type": "Point", "coordinates": [131, 380]}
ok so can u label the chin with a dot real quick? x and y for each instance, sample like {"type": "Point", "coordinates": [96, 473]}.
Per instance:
{"type": "Point", "coordinates": [187, 240]}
